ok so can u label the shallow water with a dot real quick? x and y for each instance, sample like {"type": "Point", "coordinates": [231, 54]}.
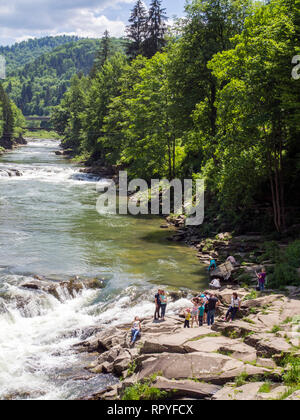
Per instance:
{"type": "Point", "coordinates": [49, 226]}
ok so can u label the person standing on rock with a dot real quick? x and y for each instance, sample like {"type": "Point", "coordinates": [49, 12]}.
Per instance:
{"type": "Point", "coordinates": [234, 308]}
{"type": "Point", "coordinates": [262, 279]}
{"type": "Point", "coordinates": [201, 312]}
{"type": "Point", "coordinates": [136, 330]}
{"type": "Point", "coordinates": [195, 311]}
{"type": "Point", "coordinates": [187, 316]}
{"type": "Point", "coordinates": [212, 304]}
{"type": "Point", "coordinates": [157, 312]}
{"type": "Point", "coordinates": [163, 304]}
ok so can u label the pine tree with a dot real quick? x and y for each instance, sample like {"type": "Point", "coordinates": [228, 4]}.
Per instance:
{"type": "Point", "coordinates": [156, 28]}
{"type": "Point", "coordinates": [136, 31]}
{"type": "Point", "coordinates": [104, 52]}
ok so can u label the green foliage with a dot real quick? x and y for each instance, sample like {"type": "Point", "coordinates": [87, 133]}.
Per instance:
{"type": "Point", "coordinates": [218, 103]}
{"type": "Point", "coordinates": [241, 379]}
{"type": "Point", "coordinates": [252, 295]}
{"type": "Point", "coordinates": [266, 388]}
{"type": "Point", "coordinates": [40, 73]}
{"type": "Point", "coordinates": [285, 271]}
{"type": "Point", "coordinates": [144, 391]}
{"type": "Point", "coordinates": [292, 375]}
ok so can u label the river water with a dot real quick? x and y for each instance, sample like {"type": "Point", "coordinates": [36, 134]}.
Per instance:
{"type": "Point", "coordinates": [49, 227]}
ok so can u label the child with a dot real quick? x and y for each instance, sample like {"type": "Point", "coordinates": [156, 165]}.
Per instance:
{"type": "Point", "coordinates": [136, 330]}
{"type": "Point", "coordinates": [201, 312]}
{"type": "Point", "coordinates": [188, 316]}
{"type": "Point", "coordinates": [195, 311]}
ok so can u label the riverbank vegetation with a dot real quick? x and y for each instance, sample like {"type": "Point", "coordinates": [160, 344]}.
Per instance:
{"type": "Point", "coordinates": [215, 99]}
{"type": "Point", "coordinates": [11, 122]}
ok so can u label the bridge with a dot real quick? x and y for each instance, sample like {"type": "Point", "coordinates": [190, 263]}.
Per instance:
{"type": "Point", "coordinates": [44, 123]}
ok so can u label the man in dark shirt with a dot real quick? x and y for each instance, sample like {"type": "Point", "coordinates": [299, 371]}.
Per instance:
{"type": "Point", "coordinates": [157, 306]}
{"type": "Point", "coordinates": [212, 304]}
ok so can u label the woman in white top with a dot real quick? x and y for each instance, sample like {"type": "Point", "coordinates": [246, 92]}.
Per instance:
{"type": "Point", "coordinates": [234, 308]}
{"type": "Point", "coordinates": [136, 330]}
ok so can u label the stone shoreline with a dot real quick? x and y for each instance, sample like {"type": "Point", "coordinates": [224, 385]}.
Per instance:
{"type": "Point", "coordinates": [203, 362]}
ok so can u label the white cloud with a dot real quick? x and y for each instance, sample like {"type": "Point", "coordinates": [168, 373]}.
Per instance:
{"type": "Point", "coordinates": [24, 19]}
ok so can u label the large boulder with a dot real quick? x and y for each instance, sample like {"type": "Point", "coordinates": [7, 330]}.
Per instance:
{"type": "Point", "coordinates": [103, 341]}
{"type": "Point", "coordinates": [213, 368]}
{"type": "Point", "coordinates": [223, 272]}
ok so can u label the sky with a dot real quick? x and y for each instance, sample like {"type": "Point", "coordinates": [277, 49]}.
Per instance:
{"type": "Point", "coordinates": [24, 19]}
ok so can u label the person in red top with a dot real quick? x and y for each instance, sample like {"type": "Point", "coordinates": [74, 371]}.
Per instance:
{"type": "Point", "coordinates": [262, 279]}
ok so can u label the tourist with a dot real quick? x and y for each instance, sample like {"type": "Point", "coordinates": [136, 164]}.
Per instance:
{"type": "Point", "coordinates": [213, 265]}
{"type": "Point", "coordinates": [136, 330]}
{"type": "Point", "coordinates": [206, 298]}
{"type": "Point", "coordinates": [212, 304]}
{"type": "Point", "coordinates": [195, 311]}
{"type": "Point", "coordinates": [163, 304]}
{"type": "Point", "coordinates": [201, 312]}
{"type": "Point", "coordinates": [262, 279]}
{"type": "Point", "coordinates": [187, 316]}
{"type": "Point", "coordinates": [234, 308]}
{"type": "Point", "coordinates": [157, 306]}
{"type": "Point", "coordinates": [215, 284]}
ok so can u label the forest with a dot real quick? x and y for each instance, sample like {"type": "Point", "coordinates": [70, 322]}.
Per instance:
{"type": "Point", "coordinates": [39, 70]}
{"type": "Point", "coordinates": [211, 97]}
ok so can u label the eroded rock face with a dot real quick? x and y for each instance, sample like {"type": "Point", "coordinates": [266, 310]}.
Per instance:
{"type": "Point", "coordinates": [269, 345]}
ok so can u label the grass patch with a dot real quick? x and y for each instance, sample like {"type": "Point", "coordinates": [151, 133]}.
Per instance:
{"type": "Point", "coordinates": [241, 379]}
{"type": "Point", "coordinates": [144, 391]}
{"type": "Point", "coordinates": [252, 295]}
{"type": "Point", "coordinates": [205, 336]}
{"type": "Point", "coordinates": [266, 388]}
{"type": "Point", "coordinates": [249, 321]}
{"type": "Point", "coordinates": [275, 329]}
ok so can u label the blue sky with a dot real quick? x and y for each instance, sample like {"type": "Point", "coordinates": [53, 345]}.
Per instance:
{"type": "Point", "coordinates": [23, 19]}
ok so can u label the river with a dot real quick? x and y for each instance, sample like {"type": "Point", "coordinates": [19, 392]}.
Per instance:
{"type": "Point", "coordinates": [49, 227]}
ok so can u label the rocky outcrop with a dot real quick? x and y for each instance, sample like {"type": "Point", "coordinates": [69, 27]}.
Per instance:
{"type": "Point", "coordinates": [58, 289]}
{"type": "Point", "coordinates": [201, 363]}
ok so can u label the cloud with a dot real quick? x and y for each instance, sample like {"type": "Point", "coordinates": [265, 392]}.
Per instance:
{"type": "Point", "coordinates": [23, 19]}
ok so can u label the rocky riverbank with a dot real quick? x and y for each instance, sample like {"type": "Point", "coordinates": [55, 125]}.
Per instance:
{"type": "Point", "coordinates": [246, 359]}
{"type": "Point", "coordinates": [9, 144]}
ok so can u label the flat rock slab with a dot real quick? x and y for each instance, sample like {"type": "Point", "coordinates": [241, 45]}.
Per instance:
{"type": "Point", "coordinates": [173, 343]}
{"type": "Point", "coordinates": [186, 388]}
{"type": "Point", "coordinates": [249, 392]}
{"type": "Point", "coordinates": [214, 368]}
{"type": "Point", "coordinates": [224, 345]}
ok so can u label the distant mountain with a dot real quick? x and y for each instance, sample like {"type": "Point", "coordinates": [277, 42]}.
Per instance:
{"type": "Point", "coordinates": [40, 82]}
{"type": "Point", "coordinates": [25, 52]}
